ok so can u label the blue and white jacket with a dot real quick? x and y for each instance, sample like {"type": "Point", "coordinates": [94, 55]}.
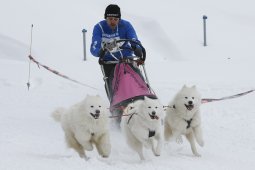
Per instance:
{"type": "Point", "coordinates": [102, 32]}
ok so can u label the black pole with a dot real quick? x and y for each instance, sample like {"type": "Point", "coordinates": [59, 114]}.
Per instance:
{"type": "Point", "coordinates": [84, 44]}
{"type": "Point", "coordinates": [204, 21]}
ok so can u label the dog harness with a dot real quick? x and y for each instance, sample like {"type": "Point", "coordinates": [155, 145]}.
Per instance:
{"type": "Point", "coordinates": [151, 133]}
{"type": "Point", "coordinates": [130, 118]}
{"type": "Point", "coordinates": [188, 122]}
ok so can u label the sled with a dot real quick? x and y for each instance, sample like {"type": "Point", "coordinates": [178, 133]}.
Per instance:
{"type": "Point", "coordinates": [128, 82]}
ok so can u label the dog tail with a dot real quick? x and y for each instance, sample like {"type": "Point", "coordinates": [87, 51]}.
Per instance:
{"type": "Point", "coordinates": [57, 114]}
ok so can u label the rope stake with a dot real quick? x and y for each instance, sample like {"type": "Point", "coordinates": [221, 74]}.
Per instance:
{"type": "Point", "coordinates": [30, 49]}
{"type": "Point", "coordinates": [48, 68]}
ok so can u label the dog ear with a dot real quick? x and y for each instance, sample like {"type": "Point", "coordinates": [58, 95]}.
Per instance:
{"type": "Point", "coordinates": [184, 86]}
{"type": "Point", "coordinates": [194, 87]}
{"type": "Point", "coordinates": [145, 98]}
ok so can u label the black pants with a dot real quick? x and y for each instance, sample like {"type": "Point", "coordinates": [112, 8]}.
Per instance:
{"type": "Point", "coordinates": [108, 70]}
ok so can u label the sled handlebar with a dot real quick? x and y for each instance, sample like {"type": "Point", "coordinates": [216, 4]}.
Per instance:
{"type": "Point", "coordinates": [126, 60]}
{"type": "Point", "coordinates": [143, 57]}
{"type": "Point", "coordinates": [117, 42]}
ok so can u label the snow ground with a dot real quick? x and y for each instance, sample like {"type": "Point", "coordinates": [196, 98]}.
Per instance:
{"type": "Point", "coordinates": [172, 33]}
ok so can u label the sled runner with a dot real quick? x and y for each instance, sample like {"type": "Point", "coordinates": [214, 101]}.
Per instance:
{"type": "Point", "coordinates": [128, 81]}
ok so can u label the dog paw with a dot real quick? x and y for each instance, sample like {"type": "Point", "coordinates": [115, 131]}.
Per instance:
{"type": "Point", "coordinates": [197, 155]}
{"type": "Point", "coordinates": [156, 152]}
{"type": "Point", "coordinates": [179, 140]}
{"type": "Point", "coordinates": [201, 143]}
{"type": "Point", "coordinates": [83, 156]}
{"type": "Point", "coordinates": [105, 156]}
{"type": "Point", "coordinates": [86, 158]}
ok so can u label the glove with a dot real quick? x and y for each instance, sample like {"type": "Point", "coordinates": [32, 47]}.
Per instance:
{"type": "Point", "coordinates": [101, 61]}
{"type": "Point", "coordinates": [138, 52]}
{"type": "Point", "coordinates": [139, 62]}
{"type": "Point", "coordinates": [109, 46]}
{"type": "Point", "coordinates": [101, 56]}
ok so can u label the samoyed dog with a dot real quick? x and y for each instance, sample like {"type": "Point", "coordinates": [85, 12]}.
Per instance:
{"type": "Point", "coordinates": [183, 118]}
{"type": "Point", "coordinates": [86, 124]}
{"type": "Point", "coordinates": [142, 124]}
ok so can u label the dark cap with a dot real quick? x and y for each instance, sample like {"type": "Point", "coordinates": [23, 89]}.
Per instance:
{"type": "Point", "coordinates": [112, 10]}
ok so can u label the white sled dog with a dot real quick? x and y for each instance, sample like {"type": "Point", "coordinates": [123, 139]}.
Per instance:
{"type": "Point", "coordinates": [183, 118]}
{"type": "Point", "coordinates": [85, 124]}
{"type": "Point", "coordinates": [143, 127]}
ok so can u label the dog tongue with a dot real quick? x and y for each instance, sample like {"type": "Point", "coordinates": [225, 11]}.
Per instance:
{"type": "Point", "coordinates": [189, 107]}
{"type": "Point", "coordinates": [154, 117]}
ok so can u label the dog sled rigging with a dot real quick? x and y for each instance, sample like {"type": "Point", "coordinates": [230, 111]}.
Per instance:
{"type": "Point", "coordinates": [128, 81]}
